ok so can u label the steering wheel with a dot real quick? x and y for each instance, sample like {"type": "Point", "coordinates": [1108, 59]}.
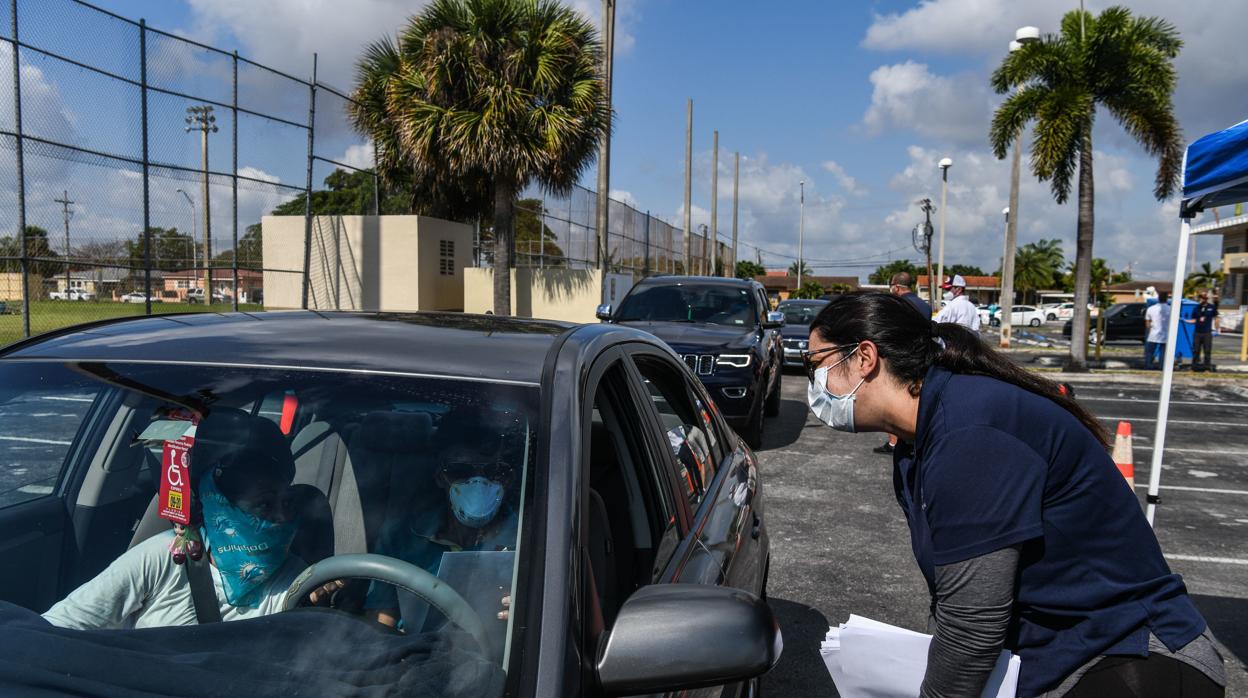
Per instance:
{"type": "Point", "coordinates": [403, 575]}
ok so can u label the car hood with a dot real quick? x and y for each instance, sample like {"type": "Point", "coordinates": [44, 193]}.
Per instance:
{"type": "Point", "coordinates": [795, 331]}
{"type": "Point", "coordinates": [691, 337]}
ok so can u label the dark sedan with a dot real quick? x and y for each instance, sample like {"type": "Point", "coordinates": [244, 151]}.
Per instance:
{"type": "Point", "coordinates": [1124, 322]}
{"type": "Point", "coordinates": [798, 314]}
{"type": "Point", "coordinates": [723, 331]}
{"type": "Point", "coordinates": [620, 547]}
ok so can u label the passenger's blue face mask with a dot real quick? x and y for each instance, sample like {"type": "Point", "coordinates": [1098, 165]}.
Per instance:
{"type": "Point", "coordinates": [475, 501]}
{"type": "Point", "coordinates": [246, 549]}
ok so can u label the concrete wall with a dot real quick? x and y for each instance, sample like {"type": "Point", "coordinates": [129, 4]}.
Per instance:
{"type": "Point", "coordinates": [11, 286]}
{"type": "Point", "coordinates": [571, 295]}
{"type": "Point", "coordinates": [366, 263]}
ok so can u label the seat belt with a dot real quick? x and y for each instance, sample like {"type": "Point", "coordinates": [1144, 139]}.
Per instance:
{"type": "Point", "coordinates": [203, 593]}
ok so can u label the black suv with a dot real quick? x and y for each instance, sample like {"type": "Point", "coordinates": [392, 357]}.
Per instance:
{"type": "Point", "coordinates": [1124, 322]}
{"type": "Point", "coordinates": [725, 334]}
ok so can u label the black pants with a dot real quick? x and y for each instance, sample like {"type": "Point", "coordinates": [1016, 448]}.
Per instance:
{"type": "Point", "coordinates": [1202, 342]}
{"type": "Point", "coordinates": [1154, 676]}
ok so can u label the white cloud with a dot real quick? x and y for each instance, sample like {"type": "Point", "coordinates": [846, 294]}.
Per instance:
{"type": "Point", "coordinates": [846, 182]}
{"type": "Point", "coordinates": [625, 197]}
{"type": "Point", "coordinates": [359, 156]}
{"type": "Point", "coordinates": [257, 173]}
{"type": "Point", "coordinates": [909, 96]}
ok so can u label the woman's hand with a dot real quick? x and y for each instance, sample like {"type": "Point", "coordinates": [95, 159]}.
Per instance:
{"type": "Point", "coordinates": [323, 592]}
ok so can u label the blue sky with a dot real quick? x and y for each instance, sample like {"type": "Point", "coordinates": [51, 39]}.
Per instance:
{"type": "Point", "coordinates": [858, 99]}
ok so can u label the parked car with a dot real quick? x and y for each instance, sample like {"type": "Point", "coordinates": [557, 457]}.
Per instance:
{"type": "Point", "coordinates": [1124, 322]}
{"type": "Point", "coordinates": [725, 334]}
{"type": "Point", "coordinates": [73, 294]}
{"type": "Point", "coordinates": [798, 314]}
{"type": "Point", "coordinates": [136, 297]}
{"type": "Point", "coordinates": [196, 295]}
{"type": "Point", "coordinates": [641, 540]}
{"type": "Point", "coordinates": [1021, 315]}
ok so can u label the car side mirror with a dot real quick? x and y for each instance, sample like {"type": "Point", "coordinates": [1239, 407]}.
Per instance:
{"type": "Point", "coordinates": [672, 637]}
{"type": "Point", "coordinates": [604, 312]}
{"type": "Point", "coordinates": [774, 321]}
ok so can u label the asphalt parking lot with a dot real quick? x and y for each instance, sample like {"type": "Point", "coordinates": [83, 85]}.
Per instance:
{"type": "Point", "coordinates": [840, 544]}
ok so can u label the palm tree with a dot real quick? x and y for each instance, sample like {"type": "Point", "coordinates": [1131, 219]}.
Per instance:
{"type": "Point", "coordinates": [1033, 269]}
{"type": "Point", "coordinates": [1203, 278]}
{"type": "Point", "coordinates": [805, 269]}
{"type": "Point", "coordinates": [501, 92]}
{"type": "Point", "coordinates": [1115, 61]}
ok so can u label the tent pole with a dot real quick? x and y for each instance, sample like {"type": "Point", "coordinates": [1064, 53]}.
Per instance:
{"type": "Point", "coordinates": [1167, 371]}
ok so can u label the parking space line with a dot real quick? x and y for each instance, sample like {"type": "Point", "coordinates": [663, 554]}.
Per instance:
{"type": "Point", "coordinates": [1205, 558]}
{"type": "Point", "coordinates": [67, 399]}
{"type": "Point", "coordinates": [28, 439]}
{"type": "Point", "coordinates": [1209, 490]}
{"type": "Point", "coordinates": [1201, 451]}
{"type": "Point", "coordinates": [1193, 422]}
{"type": "Point", "coordinates": [1189, 403]}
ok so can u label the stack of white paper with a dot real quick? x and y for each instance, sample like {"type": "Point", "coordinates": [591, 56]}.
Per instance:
{"type": "Point", "coordinates": [869, 659]}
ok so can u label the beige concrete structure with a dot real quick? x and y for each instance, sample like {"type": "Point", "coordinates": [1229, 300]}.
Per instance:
{"type": "Point", "coordinates": [11, 286]}
{"type": "Point", "coordinates": [395, 263]}
{"type": "Point", "coordinates": [571, 295]}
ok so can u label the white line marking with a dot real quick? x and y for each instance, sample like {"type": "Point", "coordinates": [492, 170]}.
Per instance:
{"type": "Point", "coordinates": [35, 489]}
{"type": "Point", "coordinates": [1209, 490]}
{"type": "Point", "coordinates": [1194, 422]}
{"type": "Point", "coordinates": [68, 399]}
{"type": "Point", "coordinates": [34, 441]}
{"type": "Point", "coordinates": [1202, 451]}
{"type": "Point", "coordinates": [1172, 402]}
{"type": "Point", "coordinates": [1204, 558]}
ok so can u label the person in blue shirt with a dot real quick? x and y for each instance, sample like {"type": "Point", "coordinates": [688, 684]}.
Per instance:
{"type": "Point", "coordinates": [1203, 318]}
{"type": "Point", "coordinates": [1026, 534]}
{"type": "Point", "coordinates": [469, 508]}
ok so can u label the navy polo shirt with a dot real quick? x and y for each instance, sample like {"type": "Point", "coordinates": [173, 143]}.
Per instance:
{"type": "Point", "coordinates": [1204, 315]}
{"type": "Point", "coordinates": [993, 466]}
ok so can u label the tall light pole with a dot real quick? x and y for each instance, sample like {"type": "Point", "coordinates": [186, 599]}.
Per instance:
{"type": "Point", "coordinates": [714, 200]}
{"type": "Point", "coordinates": [945, 164]}
{"type": "Point", "coordinates": [688, 187]}
{"type": "Point", "coordinates": [1024, 35]}
{"type": "Point", "coordinates": [200, 119]}
{"type": "Point", "coordinates": [801, 228]}
{"type": "Point", "coordinates": [736, 181]}
{"type": "Point", "coordinates": [190, 201]}
{"type": "Point", "coordinates": [604, 146]}
{"type": "Point", "coordinates": [65, 204]}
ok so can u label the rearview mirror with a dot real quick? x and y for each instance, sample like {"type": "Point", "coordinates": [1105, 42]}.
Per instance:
{"type": "Point", "coordinates": [672, 637]}
{"type": "Point", "coordinates": [774, 321]}
{"type": "Point", "coordinates": [604, 312]}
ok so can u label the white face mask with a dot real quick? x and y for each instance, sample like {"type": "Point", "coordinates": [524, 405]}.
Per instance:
{"type": "Point", "coordinates": [837, 411]}
{"type": "Point", "coordinates": [948, 295]}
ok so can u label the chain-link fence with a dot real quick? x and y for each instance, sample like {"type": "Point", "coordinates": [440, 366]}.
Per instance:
{"type": "Point", "coordinates": [135, 167]}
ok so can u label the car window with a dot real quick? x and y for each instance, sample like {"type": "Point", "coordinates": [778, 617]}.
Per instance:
{"type": "Point", "coordinates": [680, 302]}
{"type": "Point", "coordinates": [434, 472]}
{"type": "Point", "coordinates": [695, 445]}
{"type": "Point", "coordinates": [39, 425]}
{"type": "Point", "coordinates": [799, 313]}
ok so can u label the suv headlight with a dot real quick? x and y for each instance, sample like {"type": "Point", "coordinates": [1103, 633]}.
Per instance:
{"type": "Point", "coordinates": [733, 360]}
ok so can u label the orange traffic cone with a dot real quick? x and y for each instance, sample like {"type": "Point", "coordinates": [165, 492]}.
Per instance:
{"type": "Point", "coordinates": [1123, 457]}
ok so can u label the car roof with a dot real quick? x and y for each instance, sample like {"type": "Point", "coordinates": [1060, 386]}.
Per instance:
{"type": "Point", "coordinates": [483, 347]}
{"type": "Point", "coordinates": [700, 280]}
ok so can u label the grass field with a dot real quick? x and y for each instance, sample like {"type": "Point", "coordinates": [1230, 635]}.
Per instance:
{"type": "Point", "coordinates": [51, 315]}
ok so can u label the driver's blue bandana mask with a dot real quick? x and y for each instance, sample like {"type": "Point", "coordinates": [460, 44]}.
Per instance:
{"type": "Point", "coordinates": [475, 501]}
{"type": "Point", "coordinates": [246, 549]}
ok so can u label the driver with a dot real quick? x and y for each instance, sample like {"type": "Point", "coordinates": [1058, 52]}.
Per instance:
{"type": "Point", "coordinates": [249, 519]}
{"type": "Point", "coordinates": [474, 476]}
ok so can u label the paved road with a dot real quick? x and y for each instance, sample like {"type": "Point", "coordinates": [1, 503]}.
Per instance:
{"type": "Point", "coordinates": [840, 543]}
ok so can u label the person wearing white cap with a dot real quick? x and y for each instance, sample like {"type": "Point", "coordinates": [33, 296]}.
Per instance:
{"type": "Point", "coordinates": [958, 309]}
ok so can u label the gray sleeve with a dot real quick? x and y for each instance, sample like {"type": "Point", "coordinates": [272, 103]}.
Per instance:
{"type": "Point", "coordinates": [971, 612]}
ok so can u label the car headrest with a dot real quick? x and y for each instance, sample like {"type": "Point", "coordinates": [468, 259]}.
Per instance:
{"type": "Point", "coordinates": [395, 432]}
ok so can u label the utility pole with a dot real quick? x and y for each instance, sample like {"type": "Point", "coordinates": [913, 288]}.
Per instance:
{"type": "Point", "coordinates": [945, 164]}
{"type": "Point", "coordinates": [604, 147]}
{"type": "Point", "coordinates": [1022, 37]}
{"type": "Point", "coordinates": [200, 119]}
{"type": "Point", "coordinates": [736, 181]}
{"type": "Point", "coordinates": [926, 206]}
{"type": "Point", "coordinates": [801, 229]}
{"type": "Point", "coordinates": [703, 257]}
{"type": "Point", "coordinates": [65, 204]}
{"type": "Point", "coordinates": [688, 187]}
{"type": "Point", "coordinates": [714, 199]}
{"type": "Point", "coordinates": [194, 258]}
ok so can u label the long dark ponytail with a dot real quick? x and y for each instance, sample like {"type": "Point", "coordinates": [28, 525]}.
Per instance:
{"type": "Point", "coordinates": [911, 344]}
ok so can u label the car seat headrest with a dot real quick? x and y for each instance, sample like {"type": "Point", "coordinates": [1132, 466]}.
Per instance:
{"type": "Point", "coordinates": [395, 432]}
{"type": "Point", "coordinates": [230, 437]}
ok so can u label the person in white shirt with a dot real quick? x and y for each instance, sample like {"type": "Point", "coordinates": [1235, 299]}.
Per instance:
{"type": "Point", "coordinates": [1157, 320]}
{"type": "Point", "coordinates": [249, 517]}
{"type": "Point", "coordinates": [958, 308]}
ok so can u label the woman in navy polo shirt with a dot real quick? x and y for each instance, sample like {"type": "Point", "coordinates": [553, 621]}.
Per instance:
{"type": "Point", "coordinates": [1020, 522]}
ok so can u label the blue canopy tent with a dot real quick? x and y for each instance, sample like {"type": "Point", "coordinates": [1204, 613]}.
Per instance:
{"type": "Point", "coordinates": [1215, 173]}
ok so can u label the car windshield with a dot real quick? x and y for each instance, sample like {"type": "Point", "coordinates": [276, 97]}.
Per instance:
{"type": "Point", "coordinates": [799, 313]}
{"type": "Point", "coordinates": [433, 472]}
{"type": "Point", "coordinates": [717, 305]}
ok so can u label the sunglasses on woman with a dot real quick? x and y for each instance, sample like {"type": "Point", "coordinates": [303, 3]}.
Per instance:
{"type": "Point", "coordinates": [810, 364]}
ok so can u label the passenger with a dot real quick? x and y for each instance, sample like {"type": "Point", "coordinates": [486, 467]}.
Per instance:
{"type": "Point", "coordinates": [476, 477]}
{"type": "Point", "coordinates": [1022, 526]}
{"type": "Point", "coordinates": [249, 524]}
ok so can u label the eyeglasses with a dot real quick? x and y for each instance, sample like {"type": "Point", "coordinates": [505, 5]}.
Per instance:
{"type": "Point", "coordinates": [463, 470]}
{"type": "Point", "coordinates": [810, 365]}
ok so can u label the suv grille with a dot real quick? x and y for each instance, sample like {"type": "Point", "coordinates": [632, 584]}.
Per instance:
{"type": "Point", "coordinates": [702, 364]}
